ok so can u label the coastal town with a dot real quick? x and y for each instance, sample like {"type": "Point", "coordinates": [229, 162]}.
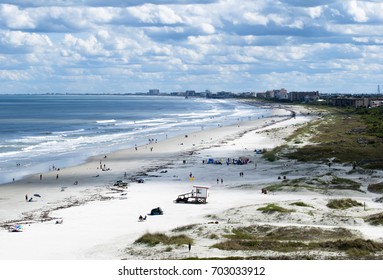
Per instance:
{"type": "Point", "coordinates": [367, 100]}
{"type": "Point", "coordinates": [356, 100]}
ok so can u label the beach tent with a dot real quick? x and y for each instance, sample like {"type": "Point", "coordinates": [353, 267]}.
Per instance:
{"type": "Point", "coordinates": [244, 160]}
{"type": "Point", "coordinates": [210, 161]}
{"type": "Point", "coordinates": [157, 211]}
{"type": "Point", "coordinates": [15, 228]}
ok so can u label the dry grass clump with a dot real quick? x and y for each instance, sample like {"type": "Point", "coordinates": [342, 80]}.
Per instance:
{"type": "Point", "coordinates": [301, 240]}
{"type": "Point", "coordinates": [315, 184]}
{"type": "Point", "coordinates": [153, 239]}
{"type": "Point", "coordinates": [185, 228]}
{"type": "Point", "coordinates": [272, 208]}
{"type": "Point", "coordinates": [356, 248]}
{"type": "Point", "coordinates": [376, 188]}
{"type": "Point", "coordinates": [375, 220]}
{"type": "Point", "coordinates": [343, 203]}
{"type": "Point", "coordinates": [300, 204]}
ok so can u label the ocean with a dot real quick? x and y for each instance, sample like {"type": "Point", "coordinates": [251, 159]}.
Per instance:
{"type": "Point", "coordinates": [41, 131]}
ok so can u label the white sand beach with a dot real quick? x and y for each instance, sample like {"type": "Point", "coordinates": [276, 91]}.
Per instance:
{"type": "Point", "coordinates": [100, 221]}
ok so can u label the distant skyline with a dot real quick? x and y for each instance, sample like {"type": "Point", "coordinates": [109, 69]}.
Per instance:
{"type": "Point", "coordinates": [132, 46]}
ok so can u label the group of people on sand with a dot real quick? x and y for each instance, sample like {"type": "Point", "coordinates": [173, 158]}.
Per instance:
{"type": "Point", "coordinates": [30, 199]}
{"type": "Point", "coordinates": [141, 219]}
{"type": "Point", "coordinates": [103, 166]}
{"type": "Point", "coordinates": [53, 168]}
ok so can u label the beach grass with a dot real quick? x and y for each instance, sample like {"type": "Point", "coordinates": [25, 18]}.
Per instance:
{"type": "Point", "coordinates": [260, 245]}
{"type": "Point", "coordinates": [375, 220]}
{"type": "Point", "coordinates": [315, 184]}
{"type": "Point", "coordinates": [298, 240]}
{"type": "Point", "coordinates": [343, 204]}
{"type": "Point", "coordinates": [272, 208]}
{"type": "Point", "coordinates": [376, 188]}
{"type": "Point", "coordinates": [274, 154]}
{"type": "Point", "coordinates": [343, 135]}
{"type": "Point", "coordinates": [153, 239]}
{"type": "Point", "coordinates": [300, 204]}
{"type": "Point", "coordinates": [355, 248]}
{"type": "Point", "coordinates": [184, 228]}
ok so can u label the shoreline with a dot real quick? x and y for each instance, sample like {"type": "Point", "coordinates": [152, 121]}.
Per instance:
{"type": "Point", "coordinates": [91, 179]}
{"type": "Point", "coordinates": [100, 222]}
{"type": "Point", "coordinates": [116, 153]}
{"type": "Point", "coordinates": [65, 143]}
{"type": "Point", "coordinates": [133, 163]}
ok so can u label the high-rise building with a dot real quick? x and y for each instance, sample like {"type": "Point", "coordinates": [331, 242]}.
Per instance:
{"type": "Point", "coordinates": [154, 91]}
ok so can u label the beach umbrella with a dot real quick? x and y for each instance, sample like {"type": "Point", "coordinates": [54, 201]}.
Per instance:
{"type": "Point", "coordinates": [37, 195]}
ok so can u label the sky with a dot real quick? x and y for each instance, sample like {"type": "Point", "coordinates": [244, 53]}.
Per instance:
{"type": "Point", "coordinates": [116, 46]}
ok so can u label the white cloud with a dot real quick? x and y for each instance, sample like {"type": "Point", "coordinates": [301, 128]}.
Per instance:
{"type": "Point", "coordinates": [87, 47]}
{"type": "Point", "coordinates": [149, 13]}
{"type": "Point", "coordinates": [365, 11]}
{"type": "Point", "coordinates": [23, 42]}
{"type": "Point", "coordinates": [315, 12]}
{"type": "Point", "coordinates": [222, 44]}
{"type": "Point", "coordinates": [12, 75]}
{"type": "Point", "coordinates": [15, 18]}
{"type": "Point", "coordinates": [207, 28]}
{"type": "Point", "coordinates": [356, 11]}
{"type": "Point", "coordinates": [254, 18]}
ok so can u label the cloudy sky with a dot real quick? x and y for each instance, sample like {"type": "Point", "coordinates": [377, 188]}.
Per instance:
{"type": "Point", "coordinates": [174, 45]}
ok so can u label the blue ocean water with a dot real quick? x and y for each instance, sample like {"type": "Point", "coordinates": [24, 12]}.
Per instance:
{"type": "Point", "coordinates": [39, 131]}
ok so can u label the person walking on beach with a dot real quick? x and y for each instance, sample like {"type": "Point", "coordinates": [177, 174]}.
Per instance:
{"type": "Point", "coordinates": [41, 176]}
{"type": "Point", "coordinates": [26, 197]}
